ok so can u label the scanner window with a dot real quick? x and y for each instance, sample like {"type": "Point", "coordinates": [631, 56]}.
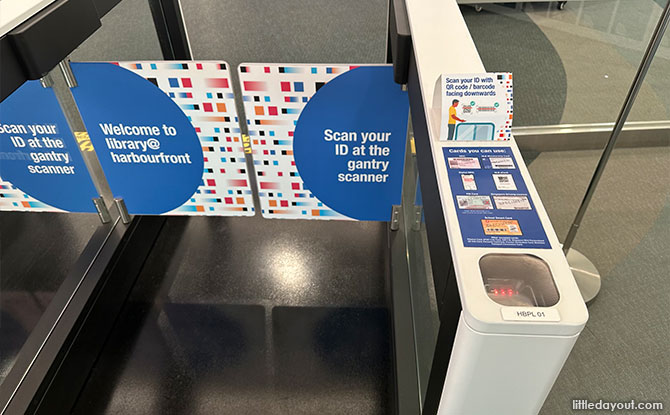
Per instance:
{"type": "Point", "coordinates": [519, 280]}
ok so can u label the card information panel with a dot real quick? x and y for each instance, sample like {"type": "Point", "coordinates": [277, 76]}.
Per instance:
{"type": "Point", "coordinates": [492, 202]}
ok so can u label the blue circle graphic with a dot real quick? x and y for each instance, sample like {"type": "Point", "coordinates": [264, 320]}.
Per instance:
{"type": "Point", "coordinates": [38, 153]}
{"type": "Point", "coordinates": [147, 147]}
{"type": "Point", "coordinates": [349, 143]}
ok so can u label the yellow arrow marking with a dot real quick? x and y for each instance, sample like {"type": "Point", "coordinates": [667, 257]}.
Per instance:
{"type": "Point", "coordinates": [246, 143]}
{"type": "Point", "coordinates": [83, 140]}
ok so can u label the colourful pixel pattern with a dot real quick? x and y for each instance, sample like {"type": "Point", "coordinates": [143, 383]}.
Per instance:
{"type": "Point", "coordinates": [274, 95]}
{"type": "Point", "coordinates": [203, 90]}
{"type": "Point", "coordinates": [13, 199]}
{"type": "Point", "coordinates": [505, 79]}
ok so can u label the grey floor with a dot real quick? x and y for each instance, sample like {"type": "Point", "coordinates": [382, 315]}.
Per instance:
{"type": "Point", "coordinates": [623, 352]}
{"type": "Point", "coordinates": [570, 67]}
{"type": "Point", "coordinates": [250, 316]}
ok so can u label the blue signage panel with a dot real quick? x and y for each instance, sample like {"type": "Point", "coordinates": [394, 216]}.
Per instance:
{"type": "Point", "coordinates": [38, 153]}
{"type": "Point", "coordinates": [146, 145]}
{"type": "Point", "coordinates": [349, 143]}
{"type": "Point", "coordinates": [492, 202]}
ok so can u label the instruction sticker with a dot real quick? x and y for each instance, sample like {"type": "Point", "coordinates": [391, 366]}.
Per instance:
{"type": "Point", "coordinates": [493, 204]}
{"type": "Point", "coordinates": [475, 106]}
{"type": "Point", "coordinates": [501, 227]}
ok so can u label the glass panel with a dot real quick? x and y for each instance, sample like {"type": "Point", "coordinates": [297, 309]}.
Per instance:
{"type": "Point", "coordinates": [626, 235]}
{"type": "Point", "coordinates": [36, 252]}
{"type": "Point", "coordinates": [284, 32]}
{"type": "Point", "coordinates": [572, 65]}
{"type": "Point", "coordinates": [127, 33]}
{"type": "Point", "coordinates": [38, 249]}
{"type": "Point", "coordinates": [424, 305]}
{"type": "Point", "coordinates": [39, 244]}
{"type": "Point", "coordinates": [291, 312]}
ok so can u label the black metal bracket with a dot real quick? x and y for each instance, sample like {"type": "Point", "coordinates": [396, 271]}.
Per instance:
{"type": "Point", "coordinates": [32, 49]}
{"type": "Point", "coordinates": [170, 29]}
{"type": "Point", "coordinates": [49, 36]}
{"type": "Point", "coordinates": [399, 46]}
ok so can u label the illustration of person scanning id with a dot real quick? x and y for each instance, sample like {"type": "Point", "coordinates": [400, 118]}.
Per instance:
{"type": "Point", "coordinates": [452, 119]}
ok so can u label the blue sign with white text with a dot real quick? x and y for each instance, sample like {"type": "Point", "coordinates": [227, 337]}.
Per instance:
{"type": "Point", "coordinates": [492, 202]}
{"type": "Point", "coordinates": [349, 143]}
{"type": "Point", "coordinates": [147, 147]}
{"type": "Point", "coordinates": [38, 153]}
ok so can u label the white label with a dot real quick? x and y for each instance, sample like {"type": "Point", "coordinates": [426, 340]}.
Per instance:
{"type": "Point", "coordinates": [469, 182]}
{"type": "Point", "coordinates": [504, 182]}
{"type": "Point", "coordinates": [512, 202]}
{"type": "Point", "coordinates": [530, 314]}
{"type": "Point", "coordinates": [463, 162]}
{"type": "Point", "coordinates": [501, 162]}
{"type": "Point", "coordinates": [474, 202]}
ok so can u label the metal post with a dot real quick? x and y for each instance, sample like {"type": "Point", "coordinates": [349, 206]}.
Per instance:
{"type": "Point", "coordinates": [123, 211]}
{"type": "Point", "coordinates": [395, 217]}
{"type": "Point", "coordinates": [73, 117]}
{"type": "Point", "coordinates": [66, 70]}
{"type": "Point", "coordinates": [47, 81]}
{"type": "Point", "coordinates": [585, 277]}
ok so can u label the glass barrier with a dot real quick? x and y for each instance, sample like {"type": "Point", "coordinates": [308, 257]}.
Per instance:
{"type": "Point", "coordinates": [291, 312]}
{"type": "Point", "coordinates": [572, 65]}
{"type": "Point", "coordinates": [425, 317]}
{"type": "Point", "coordinates": [626, 234]}
{"type": "Point", "coordinates": [285, 32]}
{"type": "Point", "coordinates": [38, 247]}
{"type": "Point", "coordinates": [127, 33]}
{"type": "Point", "coordinates": [37, 250]}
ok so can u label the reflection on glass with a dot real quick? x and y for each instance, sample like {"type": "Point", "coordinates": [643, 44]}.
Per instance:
{"type": "Point", "coordinates": [573, 66]}
{"type": "Point", "coordinates": [36, 252]}
{"type": "Point", "coordinates": [424, 305]}
{"type": "Point", "coordinates": [39, 250]}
